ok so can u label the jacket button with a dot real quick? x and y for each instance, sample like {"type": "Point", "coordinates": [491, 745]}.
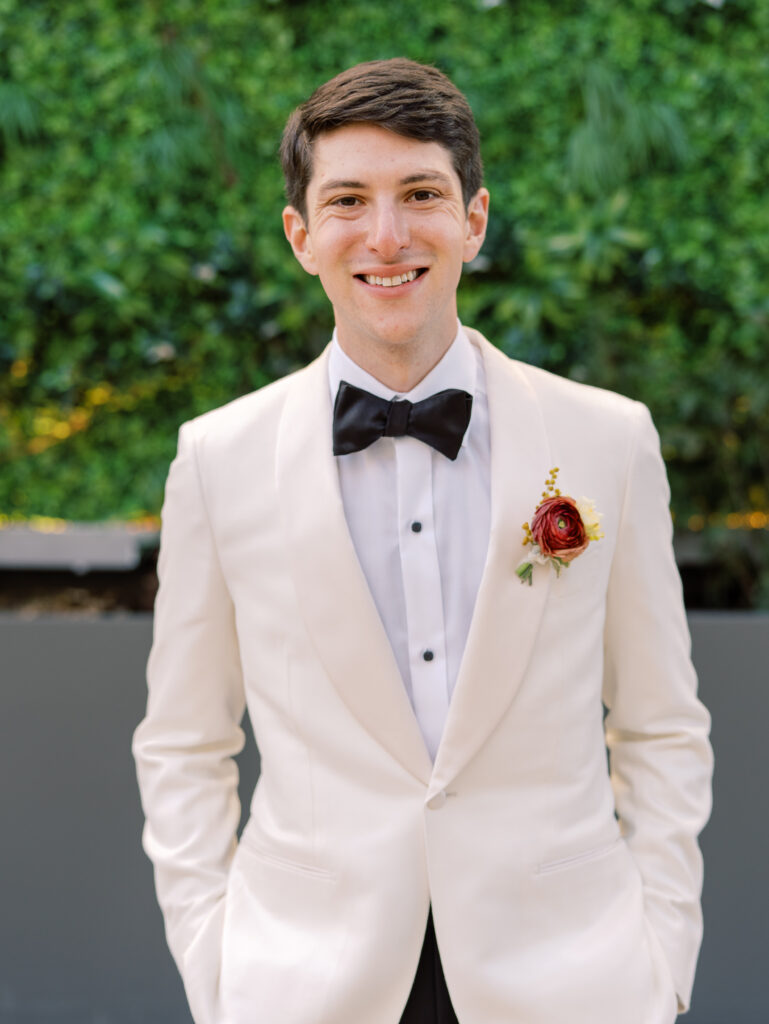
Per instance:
{"type": "Point", "coordinates": [436, 802]}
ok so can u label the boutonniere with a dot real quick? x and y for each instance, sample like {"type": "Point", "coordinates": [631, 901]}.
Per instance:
{"type": "Point", "coordinates": [561, 528]}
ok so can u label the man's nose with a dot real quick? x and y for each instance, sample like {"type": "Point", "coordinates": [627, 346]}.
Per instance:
{"type": "Point", "coordinates": [388, 230]}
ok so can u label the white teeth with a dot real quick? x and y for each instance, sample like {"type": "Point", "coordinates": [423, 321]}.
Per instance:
{"type": "Point", "coordinates": [390, 282]}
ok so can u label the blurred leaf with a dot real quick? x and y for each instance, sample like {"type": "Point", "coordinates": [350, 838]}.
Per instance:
{"type": "Point", "coordinates": [620, 138]}
{"type": "Point", "coordinates": [19, 117]}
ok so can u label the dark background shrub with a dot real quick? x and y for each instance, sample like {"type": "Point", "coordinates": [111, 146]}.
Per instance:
{"type": "Point", "coordinates": [144, 277]}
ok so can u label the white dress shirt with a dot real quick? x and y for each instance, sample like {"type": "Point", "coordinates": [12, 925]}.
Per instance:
{"type": "Point", "coordinates": [420, 526]}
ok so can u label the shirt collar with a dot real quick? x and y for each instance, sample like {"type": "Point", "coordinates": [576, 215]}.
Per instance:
{"type": "Point", "coordinates": [456, 369]}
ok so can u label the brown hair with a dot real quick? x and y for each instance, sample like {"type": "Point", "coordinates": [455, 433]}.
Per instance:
{"type": "Point", "coordinates": [410, 99]}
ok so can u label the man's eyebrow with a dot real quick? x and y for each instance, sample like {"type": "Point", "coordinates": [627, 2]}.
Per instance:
{"type": "Point", "coordinates": [427, 175]}
{"type": "Point", "coordinates": [411, 179]}
{"type": "Point", "coordinates": [332, 186]}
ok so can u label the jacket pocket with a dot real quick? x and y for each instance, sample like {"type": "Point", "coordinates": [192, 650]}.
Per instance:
{"type": "Point", "coordinates": [253, 849]}
{"type": "Point", "coordinates": [576, 859]}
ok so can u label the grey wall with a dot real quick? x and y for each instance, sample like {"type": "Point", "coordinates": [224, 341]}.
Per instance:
{"type": "Point", "coordinates": [81, 938]}
{"type": "Point", "coordinates": [731, 652]}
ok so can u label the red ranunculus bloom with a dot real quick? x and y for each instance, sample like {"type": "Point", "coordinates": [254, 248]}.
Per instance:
{"type": "Point", "coordinates": [558, 529]}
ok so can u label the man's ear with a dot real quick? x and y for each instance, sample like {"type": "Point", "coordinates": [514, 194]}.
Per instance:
{"type": "Point", "coordinates": [299, 238]}
{"type": "Point", "coordinates": [477, 219]}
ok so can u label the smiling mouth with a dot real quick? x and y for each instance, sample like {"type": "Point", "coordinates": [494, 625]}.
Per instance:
{"type": "Point", "coordinates": [395, 280]}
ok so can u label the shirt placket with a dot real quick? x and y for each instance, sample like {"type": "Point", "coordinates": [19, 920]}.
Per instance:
{"type": "Point", "coordinates": [422, 588]}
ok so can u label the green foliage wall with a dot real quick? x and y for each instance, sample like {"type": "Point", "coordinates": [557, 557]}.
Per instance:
{"type": "Point", "coordinates": [144, 277]}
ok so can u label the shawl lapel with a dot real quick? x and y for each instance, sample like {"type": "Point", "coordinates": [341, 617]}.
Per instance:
{"type": "Point", "coordinates": [507, 614]}
{"type": "Point", "coordinates": [335, 599]}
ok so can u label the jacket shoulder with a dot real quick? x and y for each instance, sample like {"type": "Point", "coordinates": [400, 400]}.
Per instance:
{"type": "Point", "coordinates": [256, 414]}
{"type": "Point", "coordinates": [554, 392]}
{"type": "Point", "coordinates": [552, 388]}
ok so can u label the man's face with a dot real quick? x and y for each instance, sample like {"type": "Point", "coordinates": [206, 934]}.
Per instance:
{"type": "Point", "coordinates": [384, 209]}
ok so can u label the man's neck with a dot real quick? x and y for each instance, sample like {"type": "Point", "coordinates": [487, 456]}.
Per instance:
{"type": "Point", "coordinates": [399, 367]}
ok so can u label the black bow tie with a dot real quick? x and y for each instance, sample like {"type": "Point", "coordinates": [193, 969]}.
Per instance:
{"type": "Point", "coordinates": [360, 418]}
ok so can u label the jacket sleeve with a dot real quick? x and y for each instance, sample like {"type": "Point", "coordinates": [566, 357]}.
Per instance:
{"type": "Point", "coordinates": [184, 747]}
{"type": "Point", "coordinates": [656, 729]}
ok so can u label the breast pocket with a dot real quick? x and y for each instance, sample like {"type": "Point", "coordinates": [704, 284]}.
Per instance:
{"type": "Point", "coordinates": [581, 584]}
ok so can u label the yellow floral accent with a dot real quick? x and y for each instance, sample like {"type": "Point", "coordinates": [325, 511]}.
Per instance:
{"type": "Point", "coordinates": [591, 519]}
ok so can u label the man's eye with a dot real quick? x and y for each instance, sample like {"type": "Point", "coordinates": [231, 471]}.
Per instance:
{"type": "Point", "coordinates": [346, 201]}
{"type": "Point", "coordinates": [423, 194]}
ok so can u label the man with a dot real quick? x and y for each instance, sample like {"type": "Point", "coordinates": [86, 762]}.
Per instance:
{"type": "Point", "coordinates": [434, 835]}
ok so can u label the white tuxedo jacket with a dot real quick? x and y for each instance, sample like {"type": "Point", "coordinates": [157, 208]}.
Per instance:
{"type": "Point", "coordinates": [559, 893]}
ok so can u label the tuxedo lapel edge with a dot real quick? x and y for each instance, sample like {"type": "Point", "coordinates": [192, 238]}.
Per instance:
{"type": "Point", "coordinates": [330, 584]}
{"type": "Point", "coordinates": [507, 613]}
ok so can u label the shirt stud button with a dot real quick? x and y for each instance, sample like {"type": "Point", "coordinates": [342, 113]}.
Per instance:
{"type": "Point", "coordinates": [416, 527]}
{"type": "Point", "coordinates": [428, 655]}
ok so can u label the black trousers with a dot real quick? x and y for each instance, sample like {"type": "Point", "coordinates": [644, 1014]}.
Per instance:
{"type": "Point", "coordinates": [429, 1001]}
